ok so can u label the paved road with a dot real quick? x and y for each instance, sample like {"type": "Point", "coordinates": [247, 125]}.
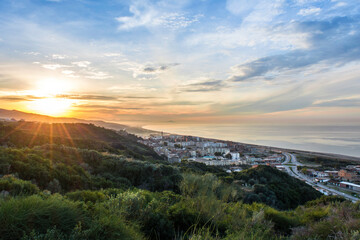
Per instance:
{"type": "Point", "coordinates": [292, 171]}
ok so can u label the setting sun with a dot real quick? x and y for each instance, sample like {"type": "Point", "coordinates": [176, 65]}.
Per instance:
{"type": "Point", "coordinates": [48, 100]}
{"type": "Point", "coordinates": [51, 106]}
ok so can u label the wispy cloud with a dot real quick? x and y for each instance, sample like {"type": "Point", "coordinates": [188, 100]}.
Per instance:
{"type": "Point", "coordinates": [147, 71]}
{"type": "Point", "coordinates": [344, 102]}
{"type": "Point", "coordinates": [341, 48]}
{"type": "Point", "coordinates": [82, 64]}
{"type": "Point", "coordinates": [53, 66]}
{"type": "Point", "coordinates": [88, 97]}
{"type": "Point", "coordinates": [203, 86]}
{"type": "Point", "coordinates": [59, 56]}
{"type": "Point", "coordinates": [146, 14]}
{"type": "Point", "coordinates": [309, 11]}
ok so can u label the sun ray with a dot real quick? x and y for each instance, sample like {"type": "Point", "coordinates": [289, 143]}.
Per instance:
{"type": "Point", "coordinates": [39, 125]}
{"type": "Point", "coordinates": [14, 130]}
{"type": "Point", "coordinates": [79, 158]}
{"type": "Point", "coordinates": [87, 130]}
{"type": "Point", "coordinates": [51, 141]}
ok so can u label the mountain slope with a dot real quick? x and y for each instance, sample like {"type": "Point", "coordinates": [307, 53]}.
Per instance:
{"type": "Point", "coordinates": [78, 135]}
{"type": "Point", "coordinates": [18, 115]}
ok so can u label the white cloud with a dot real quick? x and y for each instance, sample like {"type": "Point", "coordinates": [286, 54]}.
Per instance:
{"type": "Point", "coordinates": [113, 54]}
{"type": "Point", "coordinates": [309, 11]}
{"type": "Point", "coordinates": [241, 7]}
{"type": "Point", "coordinates": [341, 4]}
{"type": "Point", "coordinates": [280, 37]}
{"type": "Point", "coordinates": [32, 53]}
{"type": "Point", "coordinates": [58, 56]}
{"type": "Point", "coordinates": [98, 75]}
{"type": "Point", "coordinates": [265, 12]}
{"type": "Point", "coordinates": [304, 2]}
{"type": "Point", "coordinates": [147, 71]}
{"type": "Point", "coordinates": [146, 15]}
{"type": "Point", "coordinates": [82, 64]}
{"type": "Point", "coordinates": [70, 74]}
{"type": "Point", "coordinates": [53, 66]}
{"type": "Point", "coordinates": [67, 72]}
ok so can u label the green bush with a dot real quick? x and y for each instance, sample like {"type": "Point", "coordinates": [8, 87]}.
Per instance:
{"type": "Point", "coordinates": [86, 196]}
{"type": "Point", "coordinates": [19, 216]}
{"type": "Point", "coordinates": [17, 186]}
{"type": "Point", "coordinates": [283, 223]}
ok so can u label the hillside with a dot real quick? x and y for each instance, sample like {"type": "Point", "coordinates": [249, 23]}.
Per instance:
{"type": "Point", "coordinates": [275, 188]}
{"type": "Point", "coordinates": [79, 135]}
{"type": "Point", "coordinates": [18, 115]}
{"type": "Point", "coordinates": [81, 181]}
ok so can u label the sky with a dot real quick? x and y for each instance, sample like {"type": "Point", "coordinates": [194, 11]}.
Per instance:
{"type": "Point", "coordinates": [185, 61]}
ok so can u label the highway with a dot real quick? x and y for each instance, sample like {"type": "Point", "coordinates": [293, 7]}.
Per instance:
{"type": "Point", "coordinates": [292, 171]}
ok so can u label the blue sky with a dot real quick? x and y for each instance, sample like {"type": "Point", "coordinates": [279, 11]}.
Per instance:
{"type": "Point", "coordinates": [184, 61]}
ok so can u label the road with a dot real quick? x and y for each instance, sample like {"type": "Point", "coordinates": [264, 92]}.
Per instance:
{"type": "Point", "coordinates": [292, 171]}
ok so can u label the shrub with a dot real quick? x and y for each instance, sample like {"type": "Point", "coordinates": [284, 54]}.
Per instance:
{"type": "Point", "coordinates": [17, 186]}
{"type": "Point", "coordinates": [283, 223]}
{"type": "Point", "coordinates": [86, 196]}
{"type": "Point", "coordinates": [23, 215]}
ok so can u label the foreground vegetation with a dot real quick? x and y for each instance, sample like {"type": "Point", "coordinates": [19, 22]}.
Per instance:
{"type": "Point", "coordinates": [92, 186]}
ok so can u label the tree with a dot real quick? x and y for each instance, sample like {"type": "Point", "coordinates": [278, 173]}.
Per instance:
{"type": "Point", "coordinates": [228, 156]}
{"type": "Point", "coordinates": [304, 170]}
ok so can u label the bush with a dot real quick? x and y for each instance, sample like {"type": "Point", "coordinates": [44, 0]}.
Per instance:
{"type": "Point", "coordinates": [17, 186]}
{"type": "Point", "coordinates": [86, 196]}
{"type": "Point", "coordinates": [19, 216]}
{"type": "Point", "coordinates": [283, 223]}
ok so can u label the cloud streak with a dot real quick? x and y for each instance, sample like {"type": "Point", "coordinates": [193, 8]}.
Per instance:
{"type": "Point", "coordinates": [145, 14]}
{"type": "Point", "coordinates": [204, 86]}
{"type": "Point", "coordinates": [333, 41]}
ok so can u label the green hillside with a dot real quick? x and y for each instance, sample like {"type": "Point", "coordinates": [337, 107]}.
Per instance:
{"type": "Point", "coordinates": [79, 181]}
{"type": "Point", "coordinates": [78, 135]}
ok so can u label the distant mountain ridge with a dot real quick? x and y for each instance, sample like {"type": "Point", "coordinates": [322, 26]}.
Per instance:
{"type": "Point", "coordinates": [18, 115]}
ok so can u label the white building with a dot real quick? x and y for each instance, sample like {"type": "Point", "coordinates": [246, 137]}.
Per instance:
{"type": "Point", "coordinates": [235, 155]}
{"type": "Point", "coordinates": [213, 150]}
{"type": "Point", "coordinates": [186, 144]}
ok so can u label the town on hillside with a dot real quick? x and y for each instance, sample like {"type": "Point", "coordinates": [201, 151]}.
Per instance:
{"type": "Point", "coordinates": [233, 157]}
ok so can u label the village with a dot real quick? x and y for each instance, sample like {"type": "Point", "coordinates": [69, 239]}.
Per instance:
{"type": "Point", "coordinates": [230, 155]}
{"type": "Point", "coordinates": [233, 157]}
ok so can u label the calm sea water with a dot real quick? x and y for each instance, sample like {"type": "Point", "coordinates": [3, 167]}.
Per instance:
{"type": "Point", "coordinates": [329, 139]}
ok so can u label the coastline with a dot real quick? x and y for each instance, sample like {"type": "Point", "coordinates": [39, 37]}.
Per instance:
{"type": "Point", "coordinates": [280, 148]}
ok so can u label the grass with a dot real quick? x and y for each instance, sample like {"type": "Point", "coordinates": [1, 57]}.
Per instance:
{"type": "Point", "coordinates": [23, 215]}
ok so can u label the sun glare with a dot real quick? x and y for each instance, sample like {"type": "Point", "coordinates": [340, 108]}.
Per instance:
{"type": "Point", "coordinates": [51, 100]}
{"type": "Point", "coordinates": [52, 87]}
{"type": "Point", "coordinates": [51, 106]}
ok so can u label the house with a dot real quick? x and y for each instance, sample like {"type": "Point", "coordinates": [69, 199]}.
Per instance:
{"type": "Point", "coordinates": [348, 175]}
{"type": "Point", "coordinates": [334, 182]}
{"type": "Point", "coordinates": [311, 172]}
{"type": "Point", "coordinates": [322, 179]}
{"type": "Point", "coordinates": [174, 158]}
{"type": "Point", "coordinates": [235, 155]}
{"type": "Point", "coordinates": [322, 174]}
{"type": "Point", "coordinates": [350, 186]}
{"type": "Point", "coordinates": [332, 173]}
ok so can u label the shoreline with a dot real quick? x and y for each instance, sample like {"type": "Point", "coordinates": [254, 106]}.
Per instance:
{"type": "Point", "coordinates": [291, 150]}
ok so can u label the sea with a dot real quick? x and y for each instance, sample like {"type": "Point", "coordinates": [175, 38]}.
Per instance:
{"type": "Point", "coordinates": [344, 140]}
